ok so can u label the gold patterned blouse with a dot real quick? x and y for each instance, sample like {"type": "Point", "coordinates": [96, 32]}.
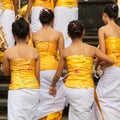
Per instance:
{"type": "Point", "coordinates": [66, 3]}
{"type": "Point", "coordinates": [8, 4]}
{"type": "Point", "coordinates": [112, 46]}
{"type": "Point", "coordinates": [79, 71]}
{"type": "Point", "coordinates": [23, 74]}
{"type": "Point", "coordinates": [43, 3]}
{"type": "Point", "coordinates": [48, 54]}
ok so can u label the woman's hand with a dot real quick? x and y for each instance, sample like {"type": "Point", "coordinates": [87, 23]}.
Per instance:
{"type": "Point", "coordinates": [65, 77]}
{"type": "Point", "coordinates": [52, 91]}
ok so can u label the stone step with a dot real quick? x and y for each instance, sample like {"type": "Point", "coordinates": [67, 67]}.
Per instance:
{"type": "Point", "coordinates": [3, 117]}
{"type": "Point", "coordinates": [3, 103]}
{"type": "Point", "coordinates": [3, 85]}
{"type": "Point", "coordinates": [3, 90]}
{"type": "Point", "coordinates": [3, 107]}
{"type": "Point", "coordinates": [4, 79]}
{"type": "Point", "coordinates": [91, 40]}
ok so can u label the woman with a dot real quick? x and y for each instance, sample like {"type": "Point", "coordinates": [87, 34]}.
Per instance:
{"type": "Point", "coordinates": [48, 42]}
{"type": "Point", "coordinates": [22, 63]}
{"type": "Point", "coordinates": [108, 87]}
{"type": "Point", "coordinates": [79, 85]}
{"type": "Point", "coordinates": [7, 18]}
{"type": "Point", "coordinates": [68, 11]}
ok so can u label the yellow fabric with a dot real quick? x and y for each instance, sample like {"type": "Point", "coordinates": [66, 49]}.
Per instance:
{"type": "Point", "coordinates": [98, 104]}
{"type": "Point", "coordinates": [53, 116]}
{"type": "Point", "coordinates": [66, 3]}
{"type": "Point", "coordinates": [48, 54]}
{"type": "Point", "coordinates": [112, 46]}
{"type": "Point", "coordinates": [23, 74]}
{"type": "Point", "coordinates": [30, 41]}
{"type": "Point", "coordinates": [52, 5]}
{"type": "Point", "coordinates": [79, 71]}
{"type": "Point", "coordinates": [1, 56]}
{"type": "Point", "coordinates": [22, 11]}
{"type": "Point", "coordinates": [8, 4]}
{"type": "Point", "coordinates": [43, 3]}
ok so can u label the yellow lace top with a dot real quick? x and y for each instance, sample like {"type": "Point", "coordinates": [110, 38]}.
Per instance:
{"type": "Point", "coordinates": [48, 54]}
{"type": "Point", "coordinates": [23, 74]}
{"type": "Point", "coordinates": [66, 3]}
{"type": "Point", "coordinates": [43, 3]}
{"type": "Point", "coordinates": [112, 45]}
{"type": "Point", "coordinates": [8, 4]}
{"type": "Point", "coordinates": [79, 72]}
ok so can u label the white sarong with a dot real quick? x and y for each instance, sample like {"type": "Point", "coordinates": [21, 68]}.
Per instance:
{"type": "Point", "coordinates": [6, 20]}
{"type": "Point", "coordinates": [63, 15]}
{"type": "Point", "coordinates": [119, 11]}
{"type": "Point", "coordinates": [22, 104]}
{"type": "Point", "coordinates": [48, 103]}
{"type": "Point", "coordinates": [108, 91]}
{"type": "Point", "coordinates": [81, 101]}
{"type": "Point", "coordinates": [35, 22]}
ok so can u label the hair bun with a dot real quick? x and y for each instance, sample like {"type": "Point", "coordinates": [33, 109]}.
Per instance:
{"type": "Point", "coordinates": [44, 12]}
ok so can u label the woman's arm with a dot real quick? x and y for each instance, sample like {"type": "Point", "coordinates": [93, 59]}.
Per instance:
{"type": "Point", "coordinates": [6, 64]}
{"type": "Point", "coordinates": [38, 69]}
{"type": "Point", "coordinates": [77, 1]}
{"type": "Point", "coordinates": [60, 43]}
{"type": "Point", "coordinates": [30, 3]}
{"type": "Point", "coordinates": [15, 3]}
{"type": "Point", "coordinates": [103, 56]}
{"type": "Point", "coordinates": [57, 75]}
{"type": "Point", "coordinates": [101, 37]}
{"type": "Point", "coordinates": [55, 1]}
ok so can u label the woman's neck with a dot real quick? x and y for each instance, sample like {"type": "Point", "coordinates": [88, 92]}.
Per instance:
{"type": "Point", "coordinates": [45, 27]}
{"type": "Point", "coordinates": [110, 21]}
{"type": "Point", "coordinates": [21, 42]}
{"type": "Point", "coordinates": [77, 41]}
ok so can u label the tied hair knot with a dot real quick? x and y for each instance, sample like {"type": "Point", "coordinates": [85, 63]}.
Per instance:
{"type": "Point", "coordinates": [44, 10]}
{"type": "Point", "coordinates": [75, 28]}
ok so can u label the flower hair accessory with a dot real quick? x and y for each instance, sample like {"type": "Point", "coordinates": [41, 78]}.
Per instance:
{"type": "Point", "coordinates": [46, 10]}
{"type": "Point", "coordinates": [113, 6]}
{"type": "Point", "coordinates": [74, 25]}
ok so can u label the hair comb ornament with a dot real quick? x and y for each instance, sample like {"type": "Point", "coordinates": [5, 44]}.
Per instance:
{"type": "Point", "coordinates": [113, 6]}
{"type": "Point", "coordinates": [74, 25]}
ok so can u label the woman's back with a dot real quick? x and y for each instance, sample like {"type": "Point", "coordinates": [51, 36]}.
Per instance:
{"type": "Point", "coordinates": [22, 51]}
{"type": "Point", "coordinates": [79, 60]}
{"type": "Point", "coordinates": [47, 41]}
{"type": "Point", "coordinates": [22, 59]}
{"type": "Point", "coordinates": [46, 34]}
{"type": "Point", "coordinates": [80, 49]}
{"type": "Point", "coordinates": [111, 30]}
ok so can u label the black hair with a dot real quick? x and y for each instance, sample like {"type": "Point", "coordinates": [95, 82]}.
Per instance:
{"type": "Point", "coordinates": [20, 28]}
{"type": "Point", "coordinates": [75, 29]}
{"type": "Point", "coordinates": [46, 16]}
{"type": "Point", "coordinates": [111, 10]}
